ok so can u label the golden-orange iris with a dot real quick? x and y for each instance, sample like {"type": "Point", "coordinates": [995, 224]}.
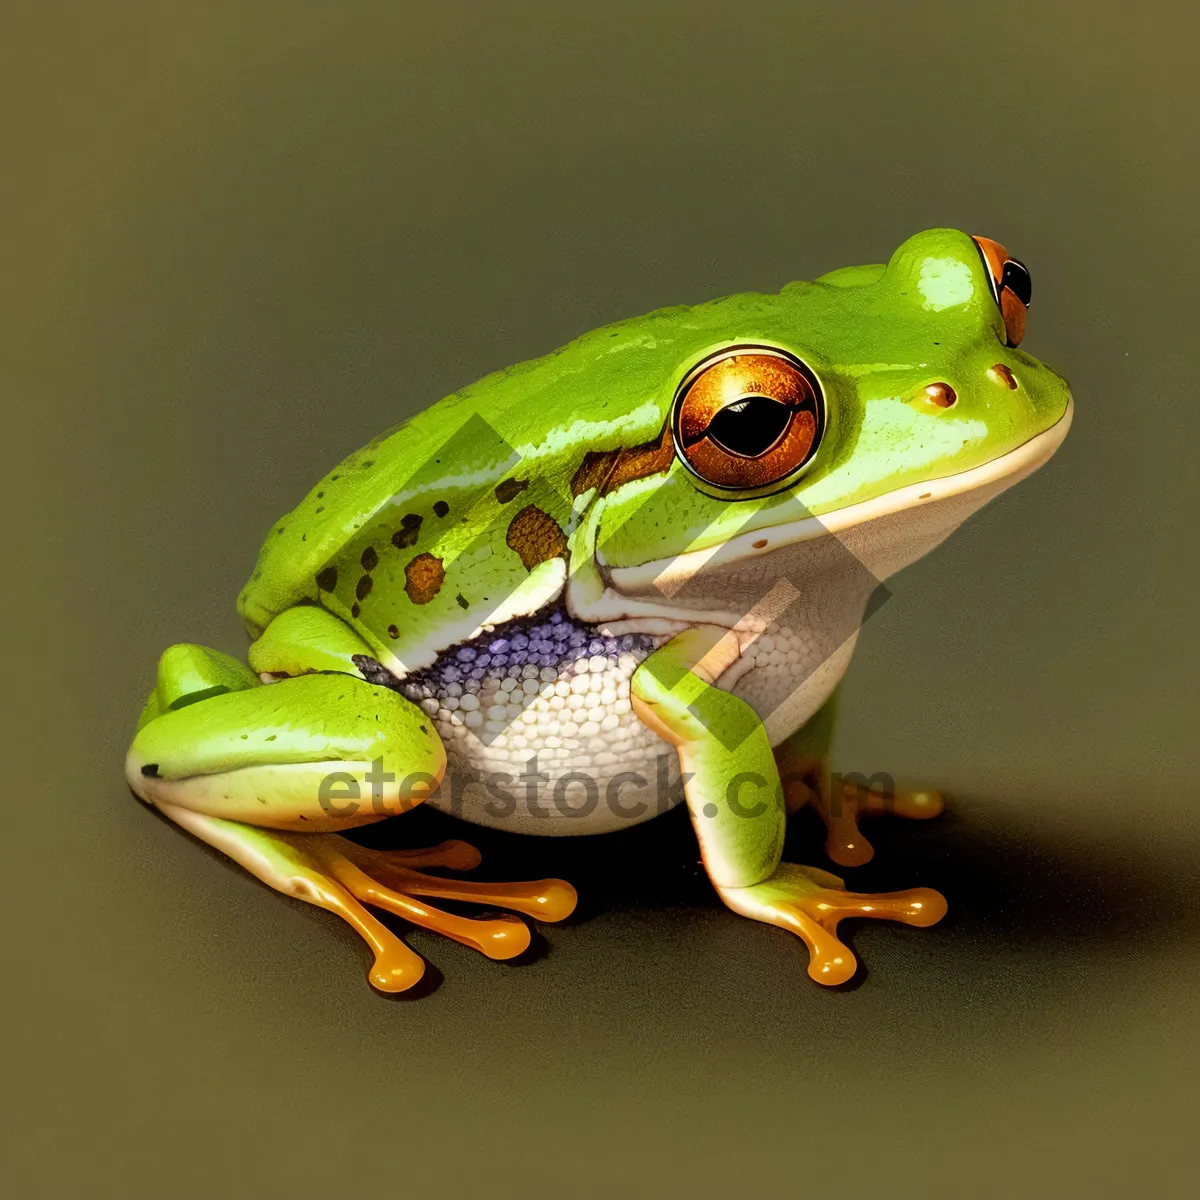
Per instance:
{"type": "Point", "coordinates": [1010, 286]}
{"type": "Point", "coordinates": [748, 418]}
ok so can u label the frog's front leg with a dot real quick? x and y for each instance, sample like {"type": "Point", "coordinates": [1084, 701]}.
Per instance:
{"type": "Point", "coordinates": [265, 773]}
{"type": "Point", "coordinates": [735, 798]}
{"type": "Point", "coordinates": [841, 801]}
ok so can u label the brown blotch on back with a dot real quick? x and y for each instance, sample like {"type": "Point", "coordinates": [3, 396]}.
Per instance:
{"type": "Point", "coordinates": [363, 588]}
{"type": "Point", "coordinates": [510, 489]}
{"type": "Point", "coordinates": [409, 531]}
{"type": "Point", "coordinates": [607, 470]}
{"type": "Point", "coordinates": [440, 508]}
{"type": "Point", "coordinates": [393, 632]}
{"type": "Point", "coordinates": [423, 578]}
{"type": "Point", "coordinates": [595, 469]}
{"type": "Point", "coordinates": [327, 579]}
{"type": "Point", "coordinates": [369, 560]}
{"type": "Point", "coordinates": [535, 536]}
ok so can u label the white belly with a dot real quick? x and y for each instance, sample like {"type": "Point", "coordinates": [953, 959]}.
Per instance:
{"type": "Point", "coordinates": [546, 742]}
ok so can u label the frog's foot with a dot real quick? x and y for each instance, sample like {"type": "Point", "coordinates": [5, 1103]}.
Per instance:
{"type": "Point", "coordinates": [341, 876]}
{"type": "Point", "coordinates": [811, 902]}
{"type": "Point", "coordinates": [845, 802]}
{"type": "Point", "coordinates": [841, 801]}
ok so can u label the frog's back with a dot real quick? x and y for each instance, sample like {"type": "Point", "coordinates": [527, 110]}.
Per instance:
{"type": "Point", "coordinates": [437, 520]}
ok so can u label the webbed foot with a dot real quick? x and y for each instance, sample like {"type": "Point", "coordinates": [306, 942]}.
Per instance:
{"type": "Point", "coordinates": [342, 877]}
{"type": "Point", "coordinates": [841, 801]}
{"type": "Point", "coordinates": [810, 903]}
{"type": "Point", "coordinates": [845, 802]}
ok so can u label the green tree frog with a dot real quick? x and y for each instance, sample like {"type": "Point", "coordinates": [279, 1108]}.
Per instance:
{"type": "Point", "coordinates": [585, 588]}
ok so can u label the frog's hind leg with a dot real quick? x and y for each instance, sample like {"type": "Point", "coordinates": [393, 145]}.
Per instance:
{"type": "Point", "coordinates": [284, 865]}
{"type": "Point", "coordinates": [321, 869]}
{"type": "Point", "coordinates": [543, 899]}
{"type": "Point", "coordinates": [841, 801]}
{"type": "Point", "coordinates": [268, 773]}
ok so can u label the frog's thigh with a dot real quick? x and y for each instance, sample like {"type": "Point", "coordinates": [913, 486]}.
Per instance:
{"type": "Point", "coordinates": [243, 764]}
{"type": "Point", "coordinates": [307, 638]}
{"type": "Point", "coordinates": [317, 752]}
{"type": "Point", "coordinates": [724, 749]}
{"type": "Point", "coordinates": [841, 800]}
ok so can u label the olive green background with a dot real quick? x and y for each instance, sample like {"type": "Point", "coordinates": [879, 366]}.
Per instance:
{"type": "Point", "coordinates": [236, 240]}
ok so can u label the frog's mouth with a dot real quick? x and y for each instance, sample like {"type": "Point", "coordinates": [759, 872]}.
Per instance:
{"type": "Point", "coordinates": [836, 559]}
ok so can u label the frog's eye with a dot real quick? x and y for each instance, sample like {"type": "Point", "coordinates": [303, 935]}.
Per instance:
{"type": "Point", "coordinates": [748, 419]}
{"type": "Point", "coordinates": [1011, 287]}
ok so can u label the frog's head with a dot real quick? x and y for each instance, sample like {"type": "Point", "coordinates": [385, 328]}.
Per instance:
{"type": "Point", "coordinates": [879, 404]}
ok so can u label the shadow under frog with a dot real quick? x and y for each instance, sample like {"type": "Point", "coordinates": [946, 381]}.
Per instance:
{"type": "Point", "coordinates": [1007, 887]}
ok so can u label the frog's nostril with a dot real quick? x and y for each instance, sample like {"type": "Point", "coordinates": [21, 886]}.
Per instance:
{"type": "Point", "coordinates": [999, 373]}
{"type": "Point", "coordinates": [941, 394]}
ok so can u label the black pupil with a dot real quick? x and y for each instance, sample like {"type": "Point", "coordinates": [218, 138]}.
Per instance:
{"type": "Point", "coordinates": [750, 426]}
{"type": "Point", "coordinates": [1016, 278]}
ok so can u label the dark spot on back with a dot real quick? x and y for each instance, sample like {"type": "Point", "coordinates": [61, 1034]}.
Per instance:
{"type": "Point", "coordinates": [463, 602]}
{"type": "Point", "coordinates": [362, 589]}
{"type": "Point", "coordinates": [535, 536]}
{"type": "Point", "coordinates": [509, 489]}
{"type": "Point", "coordinates": [423, 578]}
{"type": "Point", "coordinates": [327, 579]}
{"type": "Point", "coordinates": [595, 468]}
{"type": "Point", "coordinates": [409, 531]}
{"type": "Point", "coordinates": [393, 632]}
{"type": "Point", "coordinates": [369, 560]}
{"type": "Point", "coordinates": [607, 470]}
{"type": "Point", "coordinates": [354, 610]}
{"type": "Point", "coordinates": [440, 508]}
